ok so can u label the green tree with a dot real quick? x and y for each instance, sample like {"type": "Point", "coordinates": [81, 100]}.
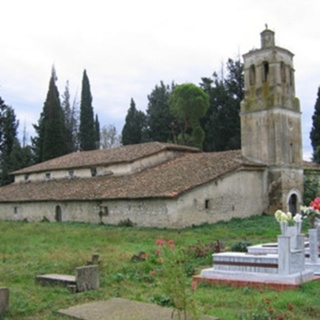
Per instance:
{"type": "Point", "coordinates": [50, 141]}
{"type": "Point", "coordinates": [188, 104]}
{"type": "Point", "coordinates": [315, 130]}
{"type": "Point", "coordinates": [71, 120]}
{"type": "Point", "coordinates": [135, 128]}
{"type": "Point", "coordinates": [8, 137]}
{"type": "Point", "coordinates": [87, 128]}
{"type": "Point", "coordinates": [159, 117]}
{"type": "Point", "coordinates": [97, 132]}
{"type": "Point", "coordinates": [222, 121]}
{"type": "Point", "coordinates": [12, 155]}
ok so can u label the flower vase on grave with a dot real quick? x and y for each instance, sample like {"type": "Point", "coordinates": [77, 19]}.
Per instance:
{"type": "Point", "coordinates": [284, 227]}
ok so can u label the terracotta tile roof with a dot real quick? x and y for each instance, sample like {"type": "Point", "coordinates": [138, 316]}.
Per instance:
{"type": "Point", "coordinates": [169, 180]}
{"type": "Point", "coordinates": [126, 154]}
{"type": "Point", "coordinates": [308, 165]}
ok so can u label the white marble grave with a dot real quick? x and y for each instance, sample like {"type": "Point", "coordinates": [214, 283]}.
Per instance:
{"type": "Point", "coordinates": [280, 263]}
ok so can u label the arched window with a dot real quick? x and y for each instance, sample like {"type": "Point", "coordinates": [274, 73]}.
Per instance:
{"type": "Point", "coordinates": [252, 75]}
{"type": "Point", "coordinates": [58, 215]}
{"type": "Point", "coordinates": [283, 72]}
{"type": "Point", "coordinates": [293, 204]}
{"type": "Point", "coordinates": [265, 73]}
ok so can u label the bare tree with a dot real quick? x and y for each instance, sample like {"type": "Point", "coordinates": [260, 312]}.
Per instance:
{"type": "Point", "coordinates": [109, 137]}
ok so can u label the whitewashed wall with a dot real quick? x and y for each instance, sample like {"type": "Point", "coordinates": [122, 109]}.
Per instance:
{"type": "Point", "coordinates": [240, 194]}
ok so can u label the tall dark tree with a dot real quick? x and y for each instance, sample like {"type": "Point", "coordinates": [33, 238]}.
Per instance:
{"type": "Point", "coordinates": [222, 121]}
{"type": "Point", "coordinates": [188, 104]}
{"type": "Point", "coordinates": [159, 117]}
{"type": "Point", "coordinates": [70, 120]}
{"type": "Point", "coordinates": [97, 132]}
{"type": "Point", "coordinates": [315, 130]}
{"type": "Point", "coordinates": [87, 129]}
{"type": "Point", "coordinates": [50, 141]}
{"type": "Point", "coordinates": [8, 137]}
{"type": "Point", "coordinates": [135, 128]}
{"type": "Point", "coordinates": [12, 155]}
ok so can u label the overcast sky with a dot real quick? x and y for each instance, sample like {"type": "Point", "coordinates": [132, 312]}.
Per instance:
{"type": "Point", "coordinates": [129, 46]}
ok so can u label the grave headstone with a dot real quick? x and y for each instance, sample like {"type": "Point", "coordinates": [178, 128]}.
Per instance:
{"type": "Point", "coordinates": [87, 278]}
{"type": "Point", "coordinates": [4, 300]}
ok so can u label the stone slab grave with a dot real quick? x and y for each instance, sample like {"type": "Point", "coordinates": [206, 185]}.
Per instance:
{"type": "Point", "coordinates": [121, 309]}
{"type": "Point", "coordinates": [4, 300]}
{"type": "Point", "coordinates": [311, 244]}
{"type": "Point", "coordinates": [85, 278]}
{"type": "Point", "coordinates": [281, 269]}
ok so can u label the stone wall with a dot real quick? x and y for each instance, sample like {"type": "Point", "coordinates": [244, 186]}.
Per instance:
{"type": "Point", "coordinates": [239, 194]}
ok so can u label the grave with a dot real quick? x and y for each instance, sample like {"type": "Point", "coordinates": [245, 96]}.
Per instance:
{"type": "Point", "coordinates": [279, 266]}
{"type": "Point", "coordinates": [312, 258]}
{"type": "Point", "coordinates": [311, 244]}
{"type": "Point", "coordinates": [85, 278]}
{"type": "Point", "coordinates": [122, 309]}
{"type": "Point", "coordinates": [4, 300]}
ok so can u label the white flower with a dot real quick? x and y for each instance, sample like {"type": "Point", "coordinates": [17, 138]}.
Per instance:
{"type": "Point", "coordinates": [282, 216]}
{"type": "Point", "coordinates": [297, 218]}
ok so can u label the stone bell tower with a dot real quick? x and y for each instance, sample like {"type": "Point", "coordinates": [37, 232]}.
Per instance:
{"type": "Point", "coordinates": [271, 122]}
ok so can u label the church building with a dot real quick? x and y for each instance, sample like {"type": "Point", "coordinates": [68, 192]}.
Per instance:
{"type": "Point", "coordinates": [165, 185]}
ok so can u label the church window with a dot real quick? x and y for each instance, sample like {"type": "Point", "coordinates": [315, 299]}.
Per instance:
{"type": "Point", "coordinates": [283, 72]}
{"type": "Point", "coordinates": [48, 175]}
{"type": "Point", "coordinates": [15, 210]}
{"type": "Point", "coordinates": [26, 177]}
{"type": "Point", "coordinates": [207, 204]}
{"type": "Point", "coordinates": [252, 75]}
{"type": "Point", "coordinates": [93, 172]}
{"type": "Point", "coordinates": [291, 77]}
{"type": "Point", "coordinates": [265, 73]}
{"type": "Point", "coordinates": [71, 173]}
{"type": "Point", "coordinates": [291, 152]}
{"type": "Point", "coordinates": [104, 211]}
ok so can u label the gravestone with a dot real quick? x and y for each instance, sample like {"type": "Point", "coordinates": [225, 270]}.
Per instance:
{"type": "Point", "coordinates": [87, 278]}
{"type": "Point", "coordinates": [4, 300]}
{"type": "Point", "coordinates": [282, 266]}
{"type": "Point", "coordinates": [313, 260]}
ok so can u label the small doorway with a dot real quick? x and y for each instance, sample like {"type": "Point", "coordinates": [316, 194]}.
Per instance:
{"type": "Point", "coordinates": [293, 204]}
{"type": "Point", "coordinates": [58, 215]}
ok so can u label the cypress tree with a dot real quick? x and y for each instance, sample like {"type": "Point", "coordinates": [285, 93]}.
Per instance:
{"type": "Point", "coordinates": [135, 128]}
{"type": "Point", "coordinates": [97, 132]}
{"type": "Point", "coordinates": [87, 133]}
{"type": "Point", "coordinates": [315, 130]}
{"type": "Point", "coordinates": [51, 140]}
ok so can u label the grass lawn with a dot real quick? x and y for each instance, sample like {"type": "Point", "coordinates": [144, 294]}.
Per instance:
{"type": "Point", "coordinates": [30, 249]}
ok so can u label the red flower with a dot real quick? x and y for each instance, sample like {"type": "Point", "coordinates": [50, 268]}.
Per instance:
{"type": "Point", "coordinates": [158, 251]}
{"type": "Point", "coordinates": [171, 244]}
{"type": "Point", "coordinates": [193, 285]}
{"type": "Point", "coordinates": [280, 317]}
{"type": "Point", "coordinates": [315, 204]}
{"type": "Point", "coordinates": [160, 242]}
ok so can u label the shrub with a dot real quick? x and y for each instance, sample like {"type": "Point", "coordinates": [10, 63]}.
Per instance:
{"type": "Point", "coordinates": [241, 246]}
